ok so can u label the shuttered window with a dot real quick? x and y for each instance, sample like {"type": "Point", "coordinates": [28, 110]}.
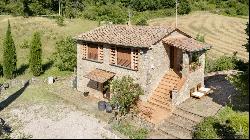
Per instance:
{"type": "Point", "coordinates": [92, 52]}
{"type": "Point", "coordinates": [124, 57]}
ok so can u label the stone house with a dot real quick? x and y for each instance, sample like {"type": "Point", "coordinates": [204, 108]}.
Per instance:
{"type": "Point", "coordinates": [166, 62]}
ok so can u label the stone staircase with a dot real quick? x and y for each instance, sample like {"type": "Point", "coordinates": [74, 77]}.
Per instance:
{"type": "Point", "coordinates": [160, 102]}
{"type": "Point", "coordinates": [180, 124]}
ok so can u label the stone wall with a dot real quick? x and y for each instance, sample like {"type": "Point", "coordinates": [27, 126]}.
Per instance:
{"type": "Point", "coordinates": [157, 60]}
{"type": "Point", "coordinates": [192, 80]}
{"type": "Point", "coordinates": [152, 65]}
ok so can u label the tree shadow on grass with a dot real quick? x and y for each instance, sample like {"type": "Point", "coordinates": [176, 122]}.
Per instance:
{"type": "Point", "coordinates": [47, 65]}
{"type": "Point", "coordinates": [13, 97]}
{"type": "Point", "coordinates": [224, 131]}
{"type": "Point", "coordinates": [225, 93]}
{"type": "Point", "coordinates": [22, 69]}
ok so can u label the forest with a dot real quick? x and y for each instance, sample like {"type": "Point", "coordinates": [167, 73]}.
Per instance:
{"type": "Point", "coordinates": [113, 10]}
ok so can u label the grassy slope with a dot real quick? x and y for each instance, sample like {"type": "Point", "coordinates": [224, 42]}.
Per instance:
{"type": "Point", "coordinates": [23, 28]}
{"type": "Point", "coordinates": [225, 34]}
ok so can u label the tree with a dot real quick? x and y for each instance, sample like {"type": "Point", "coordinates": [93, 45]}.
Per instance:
{"type": "Point", "coordinates": [184, 7]}
{"type": "Point", "coordinates": [65, 55]}
{"type": "Point", "coordinates": [9, 55]}
{"type": "Point", "coordinates": [125, 93]}
{"type": "Point", "coordinates": [35, 60]}
{"type": "Point", "coordinates": [247, 32]}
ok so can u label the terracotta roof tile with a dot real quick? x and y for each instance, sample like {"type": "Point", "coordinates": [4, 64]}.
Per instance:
{"type": "Point", "coordinates": [186, 43]}
{"type": "Point", "coordinates": [136, 36]}
{"type": "Point", "coordinates": [99, 75]}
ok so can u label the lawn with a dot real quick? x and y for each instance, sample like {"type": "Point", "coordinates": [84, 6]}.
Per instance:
{"type": "Point", "coordinates": [225, 34]}
{"type": "Point", "coordinates": [23, 28]}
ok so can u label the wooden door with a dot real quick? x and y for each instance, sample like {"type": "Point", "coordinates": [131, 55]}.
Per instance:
{"type": "Point", "coordinates": [173, 59]}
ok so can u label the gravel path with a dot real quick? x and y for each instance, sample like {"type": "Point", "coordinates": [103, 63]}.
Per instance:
{"type": "Point", "coordinates": [57, 122]}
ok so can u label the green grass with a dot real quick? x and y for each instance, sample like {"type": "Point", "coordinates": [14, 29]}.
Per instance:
{"type": "Point", "coordinates": [23, 28]}
{"type": "Point", "coordinates": [131, 131]}
{"type": "Point", "coordinates": [226, 124]}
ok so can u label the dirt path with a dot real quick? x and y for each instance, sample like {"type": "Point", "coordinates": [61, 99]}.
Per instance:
{"type": "Point", "coordinates": [52, 119]}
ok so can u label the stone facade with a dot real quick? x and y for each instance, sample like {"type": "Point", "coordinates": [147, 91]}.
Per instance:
{"type": "Point", "coordinates": [193, 78]}
{"type": "Point", "coordinates": [153, 64]}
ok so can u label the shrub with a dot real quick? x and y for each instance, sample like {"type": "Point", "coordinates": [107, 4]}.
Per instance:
{"type": "Point", "coordinates": [131, 131]}
{"type": "Point", "coordinates": [65, 55]}
{"type": "Point", "coordinates": [125, 93]}
{"type": "Point", "coordinates": [141, 21]}
{"type": "Point", "coordinates": [60, 21]}
{"type": "Point", "coordinates": [184, 7]}
{"type": "Point", "coordinates": [200, 37]}
{"type": "Point", "coordinates": [9, 55]}
{"type": "Point", "coordinates": [109, 12]}
{"type": "Point", "coordinates": [25, 44]}
{"type": "Point", "coordinates": [237, 120]}
{"type": "Point", "coordinates": [205, 129]}
{"type": "Point", "coordinates": [1, 70]}
{"type": "Point", "coordinates": [35, 60]}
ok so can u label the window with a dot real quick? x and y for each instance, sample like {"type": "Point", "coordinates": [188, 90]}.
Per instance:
{"type": "Point", "coordinates": [93, 52]}
{"type": "Point", "coordinates": [124, 57]}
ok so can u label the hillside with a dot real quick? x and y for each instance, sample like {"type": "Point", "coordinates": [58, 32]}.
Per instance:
{"type": "Point", "coordinates": [23, 28]}
{"type": "Point", "coordinates": [225, 34]}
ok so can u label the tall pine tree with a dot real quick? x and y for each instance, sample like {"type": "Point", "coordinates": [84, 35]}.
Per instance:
{"type": "Point", "coordinates": [35, 60]}
{"type": "Point", "coordinates": [9, 55]}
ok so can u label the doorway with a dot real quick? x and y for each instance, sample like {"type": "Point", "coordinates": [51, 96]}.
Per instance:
{"type": "Point", "coordinates": [173, 60]}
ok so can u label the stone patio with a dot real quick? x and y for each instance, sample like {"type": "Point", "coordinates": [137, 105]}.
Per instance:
{"type": "Point", "coordinates": [180, 124]}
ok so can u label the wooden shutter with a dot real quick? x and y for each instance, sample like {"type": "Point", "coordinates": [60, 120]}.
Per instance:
{"type": "Point", "coordinates": [93, 52]}
{"type": "Point", "coordinates": [124, 57]}
{"type": "Point", "coordinates": [85, 51]}
{"type": "Point", "coordinates": [113, 55]}
{"type": "Point", "coordinates": [134, 58]}
{"type": "Point", "coordinates": [100, 53]}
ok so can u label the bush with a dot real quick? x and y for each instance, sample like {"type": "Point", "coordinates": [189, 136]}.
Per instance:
{"type": "Point", "coordinates": [200, 37]}
{"type": "Point", "coordinates": [1, 70]}
{"type": "Point", "coordinates": [237, 120]}
{"type": "Point", "coordinates": [109, 12]}
{"type": "Point", "coordinates": [35, 60]}
{"type": "Point", "coordinates": [227, 124]}
{"type": "Point", "coordinates": [184, 7]}
{"type": "Point", "coordinates": [60, 21]}
{"type": "Point", "coordinates": [25, 44]}
{"type": "Point", "coordinates": [131, 131]}
{"type": "Point", "coordinates": [141, 21]}
{"type": "Point", "coordinates": [205, 129]}
{"type": "Point", "coordinates": [65, 55]}
{"type": "Point", "coordinates": [125, 93]}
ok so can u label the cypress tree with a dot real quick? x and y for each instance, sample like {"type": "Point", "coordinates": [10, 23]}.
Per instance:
{"type": "Point", "coordinates": [35, 60]}
{"type": "Point", "coordinates": [9, 55]}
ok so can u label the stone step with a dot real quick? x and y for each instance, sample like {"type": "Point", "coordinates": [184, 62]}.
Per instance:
{"type": "Point", "coordinates": [164, 91]}
{"type": "Point", "coordinates": [159, 105]}
{"type": "Point", "coordinates": [167, 81]}
{"type": "Point", "coordinates": [162, 95]}
{"type": "Point", "coordinates": [182, 122]}
{"type": "Point", "coordinates": [160, 100]}
{"type": "Point", "coordinates": [175, 130]}
{"type": "Point", "coordinates": [169, 78]}
{"type": "Point", "coordinates": [166, 87]}
{"type": "Point", "coordinates": [188, 115]}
